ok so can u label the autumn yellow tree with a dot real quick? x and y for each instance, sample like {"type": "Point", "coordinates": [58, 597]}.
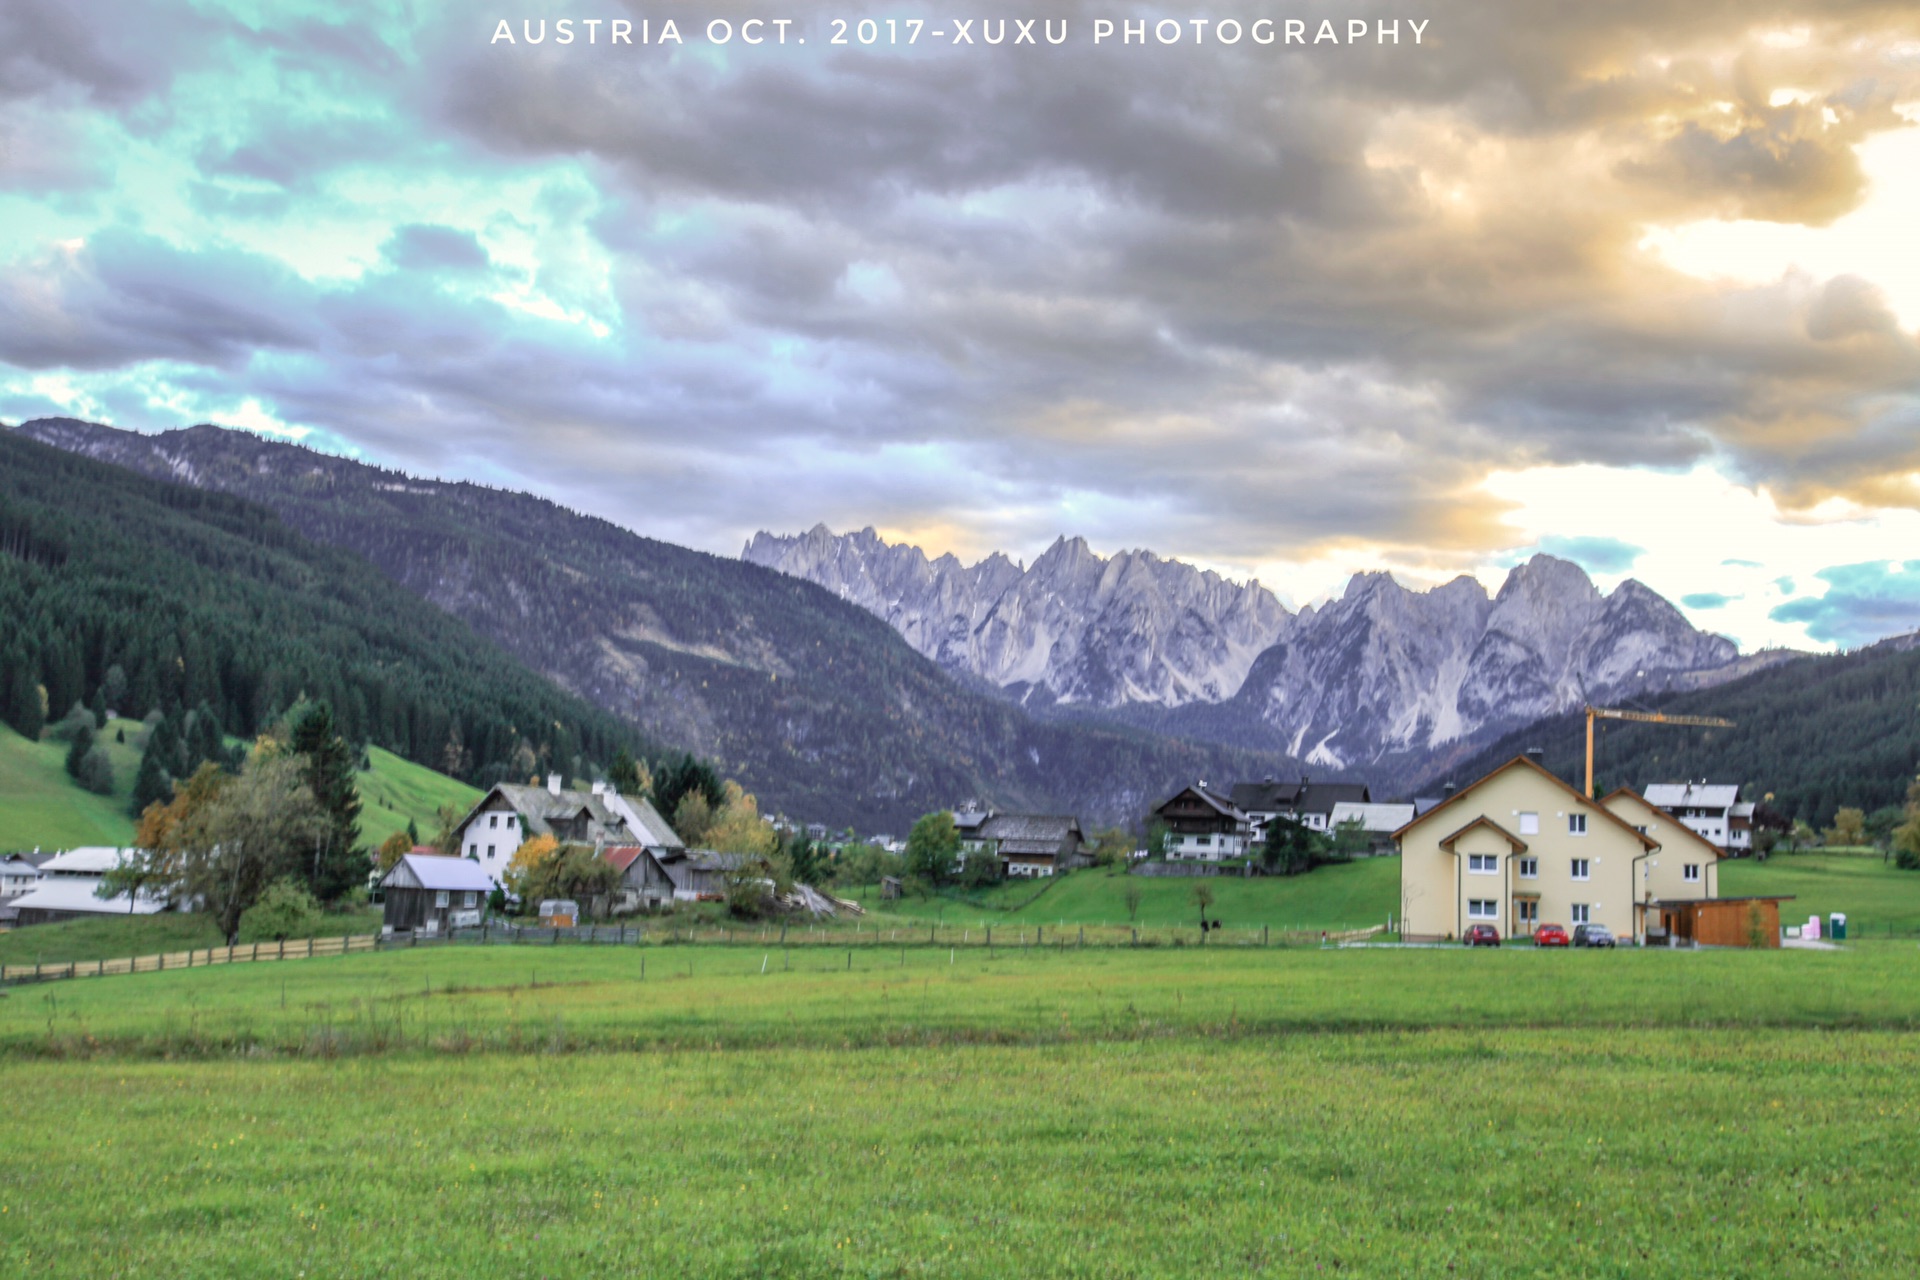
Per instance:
{"type": "Point", "coordinates": [737, 827]}
{"type": "Point", "coordinates": [527, 859]}
{"type": "Point", "coordinates": [1849, 828]}
{"type": "Point", "coordinates": [392, 849]}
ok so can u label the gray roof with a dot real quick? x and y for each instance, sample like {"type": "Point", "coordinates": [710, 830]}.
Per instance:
{"type": "Point", "coordinates": [88, 860]}
{"type": "Point", "coordinates": [1268, 796]}
{"type": "Point", "coordinates": [75, 893]}
{"type": "Point", "coordinates": [427, 871]}
{"type": "Point", "coordinates": [612, 817]}
{"type": "Point", "coordinates": [1689, 795]}
{"type": "Point", "coordinates": [1321, 797]}
{"type": "Point", "coordinates": [1031, 833]}
{"type": "Point", "coordinates": [1373, 817]}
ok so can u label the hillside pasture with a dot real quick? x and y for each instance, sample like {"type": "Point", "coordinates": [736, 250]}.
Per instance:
{"type": "Point", "coordinates": [42, 808]}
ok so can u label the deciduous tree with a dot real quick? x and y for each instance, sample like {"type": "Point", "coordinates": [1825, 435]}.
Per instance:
{"type": "Point", "coordinates": [933, 848]}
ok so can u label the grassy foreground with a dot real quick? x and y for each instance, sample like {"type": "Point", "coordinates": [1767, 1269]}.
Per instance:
{"type": "Point", "coordinates": [933, 1113]}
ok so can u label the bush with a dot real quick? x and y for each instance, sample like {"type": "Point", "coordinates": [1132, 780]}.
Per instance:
{"type": "Point", "coordinates": [96, 772]}
{"type": "Point", "coordinates": [285, 910]}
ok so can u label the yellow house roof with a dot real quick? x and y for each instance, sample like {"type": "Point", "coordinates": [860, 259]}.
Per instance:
{"type": "Point", "coordinates": [1522, 762]}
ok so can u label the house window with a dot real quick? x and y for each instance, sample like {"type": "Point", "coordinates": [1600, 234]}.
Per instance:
{"type": "Point", "coordinates": [1527, 911]}
{"type": "Point", "coordinates": [1582, 913]}
{"type": "Point", "coordinates": [490, 853]}
{"type": "Point", "coordinates": [511, 819]}
{"type": "Point", "coordinates": [474, 849]}
{"type": "Point", "coordinates": [1483, 863]}
{"type": "Point", "coordinates": [493, 820]}
{"type": "Point", "coordinates": [1576, 824]}
{"type": "Point", "coordinates": [1203, 841]}
{"type": "Point", "coordinates": [1482, 909]}
{"type": "Point", "coordinates": [1529, 824]}
{"type": "Point", "coordinates": [1529, 868]}
{"type": "Point", "coordinates": [1581, 869]}
{"type": "Point", "coordinates": [466, 899]}
{"type": "Point", "coordinates": [440, 898]}
{"type": "Point", "coordinates": [1690, 873]}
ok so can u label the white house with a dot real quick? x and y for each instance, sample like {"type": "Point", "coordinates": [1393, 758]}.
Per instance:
{"type": "Point", "coordinates": [508, 815]}
{"type": "Point", "coordinates": [1711, 811]}
{"type": "Point", "coordinates": [17, 876]}
{"type": "Point", "coordinates": [66, 890]}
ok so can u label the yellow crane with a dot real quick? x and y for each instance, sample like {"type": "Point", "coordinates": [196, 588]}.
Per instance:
{"type": "Point", "coordinates": [1644, 717]}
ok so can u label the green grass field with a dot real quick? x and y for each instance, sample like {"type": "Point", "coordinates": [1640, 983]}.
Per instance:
{"type": "Point", "coordinates": [117, 937]}
{"type": "Point", "coordinates": [1346, 896]}
{"type": "Point", "coordinates": [1874, 895]}
{"type": "Point", "coordinates": [394, 790]}
{"type": "Point", "coordinates": [1099, 1113]}
{"type": "Point", "coordinates": [42, 808]}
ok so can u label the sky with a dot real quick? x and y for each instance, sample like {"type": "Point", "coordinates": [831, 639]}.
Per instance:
{"type": "Point", "coordinates": [1635, 284]}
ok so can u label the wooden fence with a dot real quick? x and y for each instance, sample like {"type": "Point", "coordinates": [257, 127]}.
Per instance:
{"type": "Point", "coordinates": [292, 949]}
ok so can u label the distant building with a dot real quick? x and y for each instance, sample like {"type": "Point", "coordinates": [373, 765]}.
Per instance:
{"type": "Point", "coordinates": [1378, 821]}
{"type": "Point", "coordinates": [1307, 802]}
{"type": "Point", "coordinates": [68, 885]}
{"type": "Point", "coordinates": [434, 894]}
{"type": "Point", "coordinates": [1204, 825]}
{"type": "Point", "coordinates": [1712, 811]}
{"type": "Point", "coordinates": [508, 815]}
{"type": "Point", "coordinates": [17, 876]}
{"type": "Point", "coordinates": [1027, 844]}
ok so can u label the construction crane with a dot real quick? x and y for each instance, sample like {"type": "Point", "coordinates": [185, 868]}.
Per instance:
{"type": "Point", "coordinates": [1644, 717]}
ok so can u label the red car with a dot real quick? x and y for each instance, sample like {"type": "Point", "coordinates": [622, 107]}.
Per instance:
{"type": "Point", "coordinates": [1549, 935]}
{"type": "Point", "coordinates": [1481, 935]}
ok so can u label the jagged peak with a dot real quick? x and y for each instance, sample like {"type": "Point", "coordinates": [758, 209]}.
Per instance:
{"type": "Point", "coordinates": [1545, 573]}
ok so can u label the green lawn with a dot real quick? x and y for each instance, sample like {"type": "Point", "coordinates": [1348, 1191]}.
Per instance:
{"type": "Point", "coordinates": [42, 808]}
{"type": "Point", "coordinates": [117, 937]}
{"type": "Point", "coordinates": [1874, 895]}
{"type": "Point", "coordinates": [1101, 1113]}
{"type": "Point", "coordinates": [394, 790]}
{"type": "Point", "coordinates": [1346, 896]}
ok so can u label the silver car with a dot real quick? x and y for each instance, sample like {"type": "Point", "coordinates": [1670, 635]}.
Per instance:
{"type": "Point", "coordinates": [1592, 935]}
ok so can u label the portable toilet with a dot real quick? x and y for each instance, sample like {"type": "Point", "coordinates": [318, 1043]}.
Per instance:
{"type": "Point", "coordinates": [1812, 930]}
{"type": "Point", "coordinates": [1837, 926]}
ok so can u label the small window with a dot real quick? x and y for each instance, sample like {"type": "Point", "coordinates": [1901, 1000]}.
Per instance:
{"type": "Point", "coordinates": [1483, 863]}
{"type": "Point", "coordinates": [1582, 870]}
{"type": "Point", "coordinates": [1529, 824]}
{"type": "Point", "coordinates": [511, 819]}
{"type": "Point", "coordinates": [1482, 909]}
{"type": "Point", "coordinates": [493, 820]}
{"type": "Point", "coordinates": [1576, 824]}
{"type": "Point", "coordinates": [440, 898]}
{"type": "Point", "coordinates": [1529, 868]}
{"type": "Point", "coordinates": [490, 849]}
{"type": "Point", "coordinates": [1582, 913]}
{"type": "Point", "coordinates": [466, 899]}
{"type": "Point", "coordinates": [474, 849]}
{"type": "Point", "coordinates": [1690, 873]}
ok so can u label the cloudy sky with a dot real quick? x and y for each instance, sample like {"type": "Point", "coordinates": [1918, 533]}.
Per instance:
{"type": "Point", "coordinates": [1636, 283]}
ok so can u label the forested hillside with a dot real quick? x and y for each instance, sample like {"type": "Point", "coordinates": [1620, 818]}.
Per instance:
{"type": "Point", "coordinates": [813, 703]}
{"type": "Point", "coordinates": [1818, 732]}
{"type": "Point", "coordinates": [160, 596]}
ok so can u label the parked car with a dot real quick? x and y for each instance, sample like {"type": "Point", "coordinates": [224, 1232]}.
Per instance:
{"type": "Point", "coordinates": [1549, 935]}
{"type": "Point", "coordinates": [1481, 935]}
{"type": "Point", "coordinates": [1592, 935]}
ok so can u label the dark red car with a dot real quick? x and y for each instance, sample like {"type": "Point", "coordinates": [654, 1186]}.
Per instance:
{"type": "Point", "coordinates": [1481, 935]}
{"type": "Point", "coordinates": [1549, 935]}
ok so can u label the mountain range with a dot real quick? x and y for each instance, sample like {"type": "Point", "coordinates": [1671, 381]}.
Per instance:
{"type": "Point", "coordinates": [815, 705]}
{"type": "Point", "coordinates": [1384, 678]}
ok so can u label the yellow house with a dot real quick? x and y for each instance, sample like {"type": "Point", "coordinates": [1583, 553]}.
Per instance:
{"type": "Point", "coordinates": [1520, 848]}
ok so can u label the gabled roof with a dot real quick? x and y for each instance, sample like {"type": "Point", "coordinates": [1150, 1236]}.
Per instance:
{"type": "Point", "coordinates": [88, 860]}
{"type": "Point", "coordinates": [418, 871]}
{"type": "Point", "coordinates": [623, 856]}
{"type": "Point", "coordinates": [1513, 842]}
{"type": "Point", "coordinates": [1225, 806]}
{"type": "Point", "coordinates": [1373, 817]}
{"type": "Point", "coordinates": [75, 893]}
{"type": "Point", "coordinates": [1267, 796]}
{"type": "Point", "coordinates": [1688, 795]}
{"type": "Point", "coordinates": [1686, 832]}
{"type": "Point", "coordinates": [1522, 762]}
{"type": "Point", "coordinates": [612, 812]}
{"type": "Point", "coordinates": [1030, 827]}
{"type": "Point", "coordinates": [1321, 797]}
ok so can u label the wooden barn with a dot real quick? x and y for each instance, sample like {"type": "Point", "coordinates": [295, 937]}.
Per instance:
{"type": "Point", "coordinates": [431, 894]}
{"type": "Point", "coordinates": [1722, 922]}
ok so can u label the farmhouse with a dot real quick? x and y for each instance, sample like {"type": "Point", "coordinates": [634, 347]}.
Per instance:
{"type": "Point", "coordinates": [17, 876]}
{"type": "Point", "coordinates": [644, 883]}
{"type": "Point", "coordinates": [1027, 844]}
{"type": "Point", "coordinates": [700, 875]}
{"type": "Point", "coordinates": [1307, 802]}
{"type": "Point", "coordinates": [1205, 825]}
{"type": "Point", "coordinates": [434, 894]}
{"type": "Point", "coordinates": [68, 889]}
{"type": "Point", "coordinates": [508, 815]}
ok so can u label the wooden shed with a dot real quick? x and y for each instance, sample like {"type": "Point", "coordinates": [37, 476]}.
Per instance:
{"type": "Point", "coordinates": [434, 894]}
{"type": "Point", "coordinates": [1723, 922]}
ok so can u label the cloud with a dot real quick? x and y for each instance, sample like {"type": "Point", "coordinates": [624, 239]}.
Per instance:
{"type": "Point", "coordinates": [1743, 564]}
{"type": "Point", "coordinates": [1707, 600]}
{"type": "Point", "coordinates": [1863, 602]}
{"type": "Point", "coordinates": [424, 248]}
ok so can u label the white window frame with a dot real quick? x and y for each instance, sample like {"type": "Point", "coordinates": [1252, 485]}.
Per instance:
{"type": "Point", "coordinates": [1581, 913]}
{"type": "Point", "coordinates": [1576, 824]}
{"type": "Point", "coordinates": [1690, 872]}
{"type": "Point", "coordinates": [439, 897]}
{"type": "Point", "coordinates": [1530, 868]}
{"type": "Point", "coordinates": [1529, 824]}
{"type": "Point", "coordinates": [1527, 910]}
{"type": "Point", "coordinates": [1483, 909]}
{"type": "Point", "coordinates": [1483, 864]}
{"type": "Point", "coordinates": [1582, 868]}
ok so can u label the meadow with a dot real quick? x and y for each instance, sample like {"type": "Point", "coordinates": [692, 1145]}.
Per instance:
{"type": "Point", "coordinates": [547, 1111]}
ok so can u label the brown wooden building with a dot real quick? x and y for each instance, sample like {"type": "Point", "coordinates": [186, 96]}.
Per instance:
{"type": "Point", "coordinates": [1723, 922]}
{"type": "Point", "coordinates": [434, 894]}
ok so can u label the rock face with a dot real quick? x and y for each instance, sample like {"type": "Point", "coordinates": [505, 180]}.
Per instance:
{"type": "Point", "coordinates": [1382, 671]}
{"type": "Point", "coordinates": [1386, 670]}
{"type": "Point", "coordinates": [1074, 627]}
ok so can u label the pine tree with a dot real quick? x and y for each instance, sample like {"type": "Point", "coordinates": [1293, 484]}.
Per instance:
{"type": "Point", "coordinates": [23, 707]}
{"type": "Point", "coordinates": [151, 785]}
{"type": "Point", "coordinates": [339, 864]}
{"type": "Point", "coordinates": [77, 753]}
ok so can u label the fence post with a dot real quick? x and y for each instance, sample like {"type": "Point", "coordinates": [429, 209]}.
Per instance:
{"type": "Point", "coordinates": [1263, 935]}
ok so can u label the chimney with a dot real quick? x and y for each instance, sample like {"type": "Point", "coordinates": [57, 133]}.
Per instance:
{"type": "Point", "coordinates": [1537, 754]}
{"type": "Point", "coordinates": [553, 784]}
{"type": "Point", "coordinates": [1450, 790]}
{"type": "Point", "coordinates": [601, 788]}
